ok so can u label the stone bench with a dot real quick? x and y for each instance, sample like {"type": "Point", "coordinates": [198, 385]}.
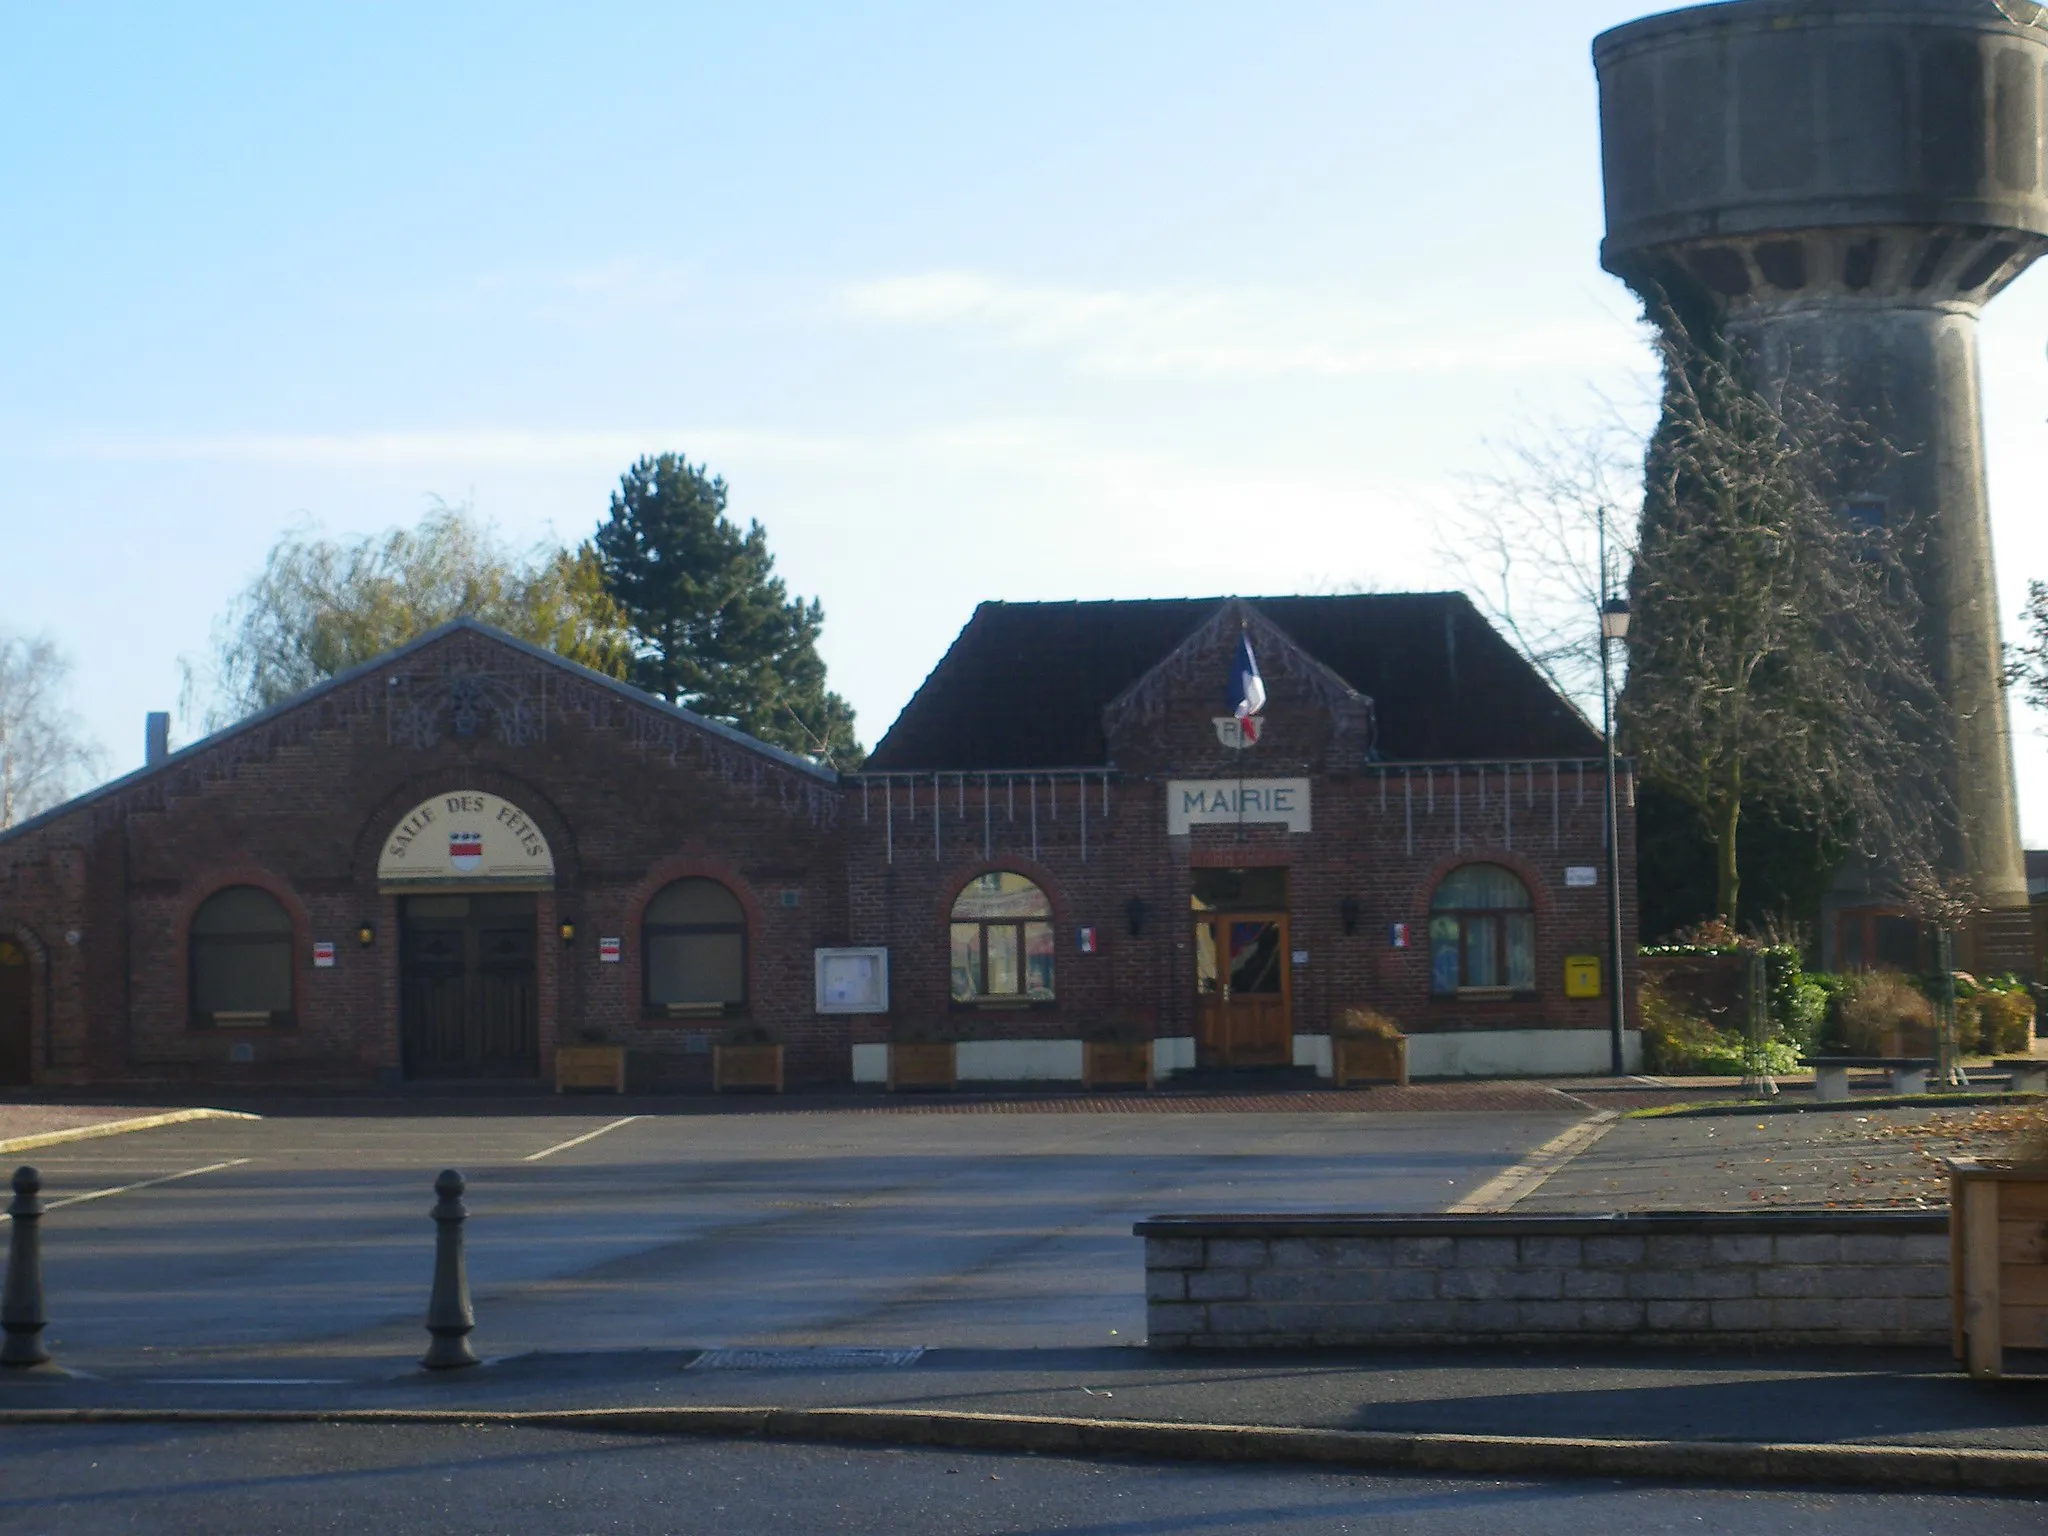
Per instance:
{"type": "Point", "coordinates": [1831, 1073]}
{"type": "Point", "coordinates": [2028, 1074]}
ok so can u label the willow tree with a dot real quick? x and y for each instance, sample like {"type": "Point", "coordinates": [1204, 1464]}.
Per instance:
{"type": "Point", "coordinates": [320, 606]}
{"type": "Point", "coordinates": [1775, 653]}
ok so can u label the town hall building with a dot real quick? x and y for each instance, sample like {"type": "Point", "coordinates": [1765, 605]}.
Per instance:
{"type": "Point", "coordinates": [469, 853]}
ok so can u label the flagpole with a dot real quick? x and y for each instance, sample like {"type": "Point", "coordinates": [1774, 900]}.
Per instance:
{"type": "Point", "coordinates": [1243, 640]}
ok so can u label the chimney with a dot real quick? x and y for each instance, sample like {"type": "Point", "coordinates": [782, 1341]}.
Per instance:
{"type": "Point", "coordinates": [156, 738]}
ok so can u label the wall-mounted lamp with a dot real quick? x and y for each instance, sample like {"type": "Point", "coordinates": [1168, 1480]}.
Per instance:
{"type": "Point", "coordinates": [366, 934]}
{"type": "Point", "coordinates": [1134, 912]}
{"type": "Point", "coordinates": [568, 930]}
{"type": "Point", "coordinates": [1347, 913]}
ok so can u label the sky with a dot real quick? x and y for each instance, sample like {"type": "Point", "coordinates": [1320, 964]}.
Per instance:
{"type": "Point", "coordinates": [964, 302]}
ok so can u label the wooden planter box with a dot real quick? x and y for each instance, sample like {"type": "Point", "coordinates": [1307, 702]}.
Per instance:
{"type": "Point", "coordinates": [923, 1064]}
{"type": "Point", "coordinates": [746, 1066]}
{"type": "Point", "coordinates": [590, 1066]}
{"type": "Point", "coordinates": [1354, 1060]}
{"type": "Point", "coordinates": [1998, 1256]}
{"type": "Point", "coordinates": [1117, 1064]}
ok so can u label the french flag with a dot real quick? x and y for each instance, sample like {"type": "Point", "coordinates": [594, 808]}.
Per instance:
{"type": "Point", "coordinates": [1247, 688]}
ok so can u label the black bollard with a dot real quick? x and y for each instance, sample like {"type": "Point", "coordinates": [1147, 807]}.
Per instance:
{"type": "Point", "coordinates": [21, 1308]}
{"type": "Point", "coordinates": [449, 1314]}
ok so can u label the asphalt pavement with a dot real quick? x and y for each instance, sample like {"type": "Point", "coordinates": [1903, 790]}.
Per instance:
{"type": "Point", "coordinates": [315, 1479]}
{"type": "Point", "coordinates": [306, 1235]}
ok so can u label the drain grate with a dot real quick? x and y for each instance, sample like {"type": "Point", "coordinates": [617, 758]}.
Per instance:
{"type": "Point", "coordinates": [801, 1359]}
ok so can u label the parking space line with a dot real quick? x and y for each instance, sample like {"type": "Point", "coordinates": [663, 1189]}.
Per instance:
{"type": "Point", "coordinates": [125, 1189]}
{"type": "Point", "coordinates": [577, 1141]}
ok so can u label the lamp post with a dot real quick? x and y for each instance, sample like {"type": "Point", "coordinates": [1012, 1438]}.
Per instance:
{"type": "Point", "coordinates": [1613, 626]}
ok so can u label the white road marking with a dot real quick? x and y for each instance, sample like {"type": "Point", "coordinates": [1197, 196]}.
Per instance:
{"type": "Point", "coordinates": [577, 1141]}
{"type": "Point", "coordinates": [125, 1189]}
{"type": "Point", "coordinates": [1504, 1190]}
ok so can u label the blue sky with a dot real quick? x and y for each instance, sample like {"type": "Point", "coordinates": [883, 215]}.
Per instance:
{"type": "Point", "coordinates": [964, 302]}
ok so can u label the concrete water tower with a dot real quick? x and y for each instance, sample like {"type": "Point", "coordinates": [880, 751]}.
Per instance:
{"type": "Point", "coordinates": [1847, 183]}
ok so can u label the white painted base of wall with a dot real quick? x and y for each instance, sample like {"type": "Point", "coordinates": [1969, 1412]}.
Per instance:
{"type": "Point", "coordinates": [1519, 1053]}
{"type": "Point", "coordinates": [1020, 1061]}
{"type": "Point", "coordinates": [1174, 1053]}
{"type": "Point", "coordinates": [871, 1063]}
{"type": "Point", "coordinates": [1314, 1051]}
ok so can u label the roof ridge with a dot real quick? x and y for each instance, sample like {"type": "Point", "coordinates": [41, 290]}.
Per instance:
{"type": "Point", "coordinates": [461, 622]}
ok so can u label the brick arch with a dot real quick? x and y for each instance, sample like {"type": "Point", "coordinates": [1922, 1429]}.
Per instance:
{"type": "Point", "coordinates": [666, 872]}
{"type": "Point", "coordinates": [1540, 901]}
{"type": "Point", "coordinates": [210, 882]}
{"type": "Point", "coordinates": [524, 793]}
{"type": "Point", "coordinates": [957, 876]}
{"type": "Point", "coordinates": [41, 1008]}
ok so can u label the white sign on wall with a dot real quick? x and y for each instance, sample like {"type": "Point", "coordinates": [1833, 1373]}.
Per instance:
{"type": "Point", "coordinates": [853, 980]}
{"type": "Point", "coordinates": [1581, 877]}
{"type": "Point", "coordinates": [1231, 802]}
{"type": "Point", "coordinates": [465, 835]}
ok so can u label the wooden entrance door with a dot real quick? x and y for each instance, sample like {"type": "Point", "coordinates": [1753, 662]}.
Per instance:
{"type": "Point", "coordinates": [1244, 990]}
{"type": "Point", "coordinates": [470, 997]}
{"type": "Point", "coordinates": [17, 1030]}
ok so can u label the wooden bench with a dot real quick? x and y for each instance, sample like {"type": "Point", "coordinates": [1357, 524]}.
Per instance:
{"type": "Point", "coordinates": [2029, 1074]}
{"type": "Point", "coordinates": [1831, 1073]}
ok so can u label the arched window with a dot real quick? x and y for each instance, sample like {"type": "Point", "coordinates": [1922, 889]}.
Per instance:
{"type": "Point", "coordinates": [694, 940]}
{"type": "Point", "coordinates": [1002, 940]}
{"type": "Point", "coordinates": [1482, 933]}
{"type": "Point", "coordinates": [241, 943]}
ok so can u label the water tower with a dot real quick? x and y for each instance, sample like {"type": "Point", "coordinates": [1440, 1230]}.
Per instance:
{"type": "Point", "coordinates": [1847, 183]}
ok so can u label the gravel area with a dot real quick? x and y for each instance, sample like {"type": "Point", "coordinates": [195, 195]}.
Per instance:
{"type": "Point", "coordinates": [1834, 1159]}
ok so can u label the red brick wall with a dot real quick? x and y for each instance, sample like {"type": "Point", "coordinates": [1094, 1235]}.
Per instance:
{"type": "Point", "coordinates": [630, 798]}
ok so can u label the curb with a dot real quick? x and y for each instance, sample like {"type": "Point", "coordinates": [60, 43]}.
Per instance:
{"type": "Point", "coordinates": [1893, 1466]}
{"type": "Point", "coordinates": [120, 1128]}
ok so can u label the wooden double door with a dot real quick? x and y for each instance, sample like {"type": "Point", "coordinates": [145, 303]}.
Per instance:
{"type": "Point", "coordinates": [469, 989]}
{"type": "Point", "coordinates": [1244, 990]}
{"type": "Point", "coordinates": [17, 1017]}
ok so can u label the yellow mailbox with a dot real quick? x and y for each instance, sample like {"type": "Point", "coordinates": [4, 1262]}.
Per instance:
{"type": "Point", "coordinates": [1581, 975]}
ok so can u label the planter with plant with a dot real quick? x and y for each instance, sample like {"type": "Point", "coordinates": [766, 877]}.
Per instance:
{"type": "Point", "coordinates": [1368, 1047]}
{"type": "Point", "coordinates": [1998, 1251]}
{"type": "Point", "coordinates": [749, 1057]}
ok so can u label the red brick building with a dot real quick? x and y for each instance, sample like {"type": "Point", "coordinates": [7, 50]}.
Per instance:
{"type": "Point", "coordinates": [469, 852]}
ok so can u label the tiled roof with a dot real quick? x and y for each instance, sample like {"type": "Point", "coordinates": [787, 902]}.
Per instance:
{"type": "Point", "coordinates": [1025, 684]}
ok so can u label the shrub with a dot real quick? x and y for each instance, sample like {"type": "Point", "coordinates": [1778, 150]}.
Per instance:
{"type": "Point", "coordinates": [2007, 1022]}
{"type": "Point", "coordinates": [1678, 1041]}
{"type": "Point", "coordinates": [1881, 1013]}
{"type": "Point", "coordinates": [1367, 1024]}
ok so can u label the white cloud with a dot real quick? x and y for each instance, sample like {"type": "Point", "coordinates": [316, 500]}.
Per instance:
{"type": "Point", "coordinates": [1248, 332]}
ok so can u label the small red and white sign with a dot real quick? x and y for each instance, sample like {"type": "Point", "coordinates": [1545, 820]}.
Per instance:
{"type": "Point", "coordinates": [323, 955]}
{"type": "Point", "coordinates": [1087, 941]}
{"type": "Point", "coordinates": [1397, 936]}
{"type": "Point", "coordinates": [466, 851]}
{"type": "Point", "coordinates": [608, 951]}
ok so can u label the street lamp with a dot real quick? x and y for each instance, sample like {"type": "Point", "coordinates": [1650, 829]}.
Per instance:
{"type": "Point", "coordinates": [1613, 626]}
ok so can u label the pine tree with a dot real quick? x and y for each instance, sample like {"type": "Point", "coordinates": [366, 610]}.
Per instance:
{"type": "Point", "coordinates": [715, 628]}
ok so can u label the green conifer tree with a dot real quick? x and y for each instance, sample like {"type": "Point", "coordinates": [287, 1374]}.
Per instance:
{"type": "Point", "coordinates": [715, 628]}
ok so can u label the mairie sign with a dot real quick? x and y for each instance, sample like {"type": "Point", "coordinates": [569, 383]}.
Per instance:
{"type": "Point", "coordinates": [1234, 802]}
{"type": "Point", "coordinates": [466, 835]}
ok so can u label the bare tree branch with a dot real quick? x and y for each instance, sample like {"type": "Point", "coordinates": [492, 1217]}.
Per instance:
{"type": "Point", "coordinates": [45, 756]}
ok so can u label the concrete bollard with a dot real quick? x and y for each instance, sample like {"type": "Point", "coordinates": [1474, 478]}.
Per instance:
{"type": "Point", "coordinates": [450, 1317]}
{"type": "Point", "coordinates": [21, 1308]}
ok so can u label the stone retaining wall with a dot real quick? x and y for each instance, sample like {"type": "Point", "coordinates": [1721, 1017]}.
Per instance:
{"type": "Point", "coordinates": [1752, 1278]}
